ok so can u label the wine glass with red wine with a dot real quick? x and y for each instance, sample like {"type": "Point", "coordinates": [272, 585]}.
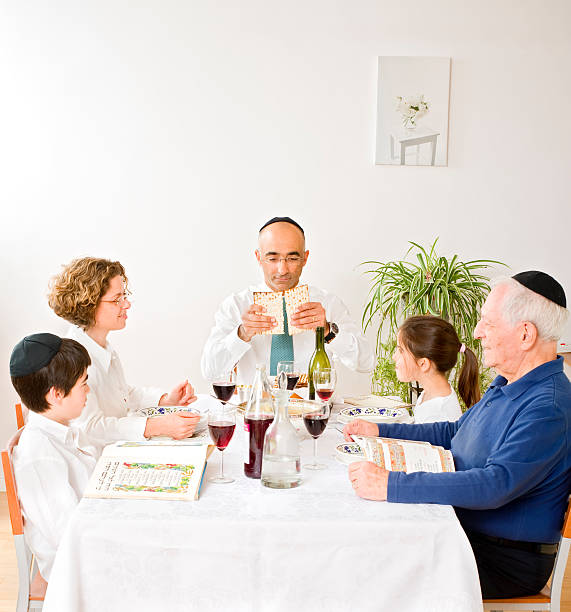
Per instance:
{"type": "Point", "coordinates": [292, 373]}
{"type": "Point", "coordinates": [315, 420]}
{"type": "Point", "coordinates": [324, 382]}
{"type": "Point", "coordinates": [224, 385]}
{"type": "Point", "coordinates": [221, 425]}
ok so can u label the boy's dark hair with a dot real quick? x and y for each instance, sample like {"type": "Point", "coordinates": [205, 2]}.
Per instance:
{"type": "Point", "coordinates": [62, 372]}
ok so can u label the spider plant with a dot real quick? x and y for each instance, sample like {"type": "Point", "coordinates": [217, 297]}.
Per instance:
{"type": "Point", "coordinates": [430, 284]}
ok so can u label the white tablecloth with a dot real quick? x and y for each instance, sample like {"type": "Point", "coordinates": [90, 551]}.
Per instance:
{"type": "Point", "coordinates": [245, 547]}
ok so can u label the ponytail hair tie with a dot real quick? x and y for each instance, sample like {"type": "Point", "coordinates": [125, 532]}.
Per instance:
{"type": "Point", "coordinates": [462, 348]}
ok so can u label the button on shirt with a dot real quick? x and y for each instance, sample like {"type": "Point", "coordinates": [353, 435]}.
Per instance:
{"type": "Point", "coordinates": [52, 466]}
{"type": "Point", "coordinates": [224, 348]}
{"type": "Point", "coordinates": [109, 414]}
{"type": "Point", "coordinates": [512, 452]}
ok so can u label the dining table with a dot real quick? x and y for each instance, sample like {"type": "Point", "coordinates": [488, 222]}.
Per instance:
{"type": "Point", "coordinates": [242, 546]}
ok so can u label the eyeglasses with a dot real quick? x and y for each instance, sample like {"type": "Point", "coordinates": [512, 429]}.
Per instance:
{"type": "Point", "coordinates": [274, 259]}
{"type": "Point", "coordinates": [120, 300]}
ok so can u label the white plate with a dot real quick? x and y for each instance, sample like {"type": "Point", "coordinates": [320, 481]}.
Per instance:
{"type": "Point", "coordinates": [349, 452]}
{"type": "Point", "coordinates": [375, 415]}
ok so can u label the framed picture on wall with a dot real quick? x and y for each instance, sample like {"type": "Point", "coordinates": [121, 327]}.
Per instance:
{"type": "Point", "coordinates": [413, 99]}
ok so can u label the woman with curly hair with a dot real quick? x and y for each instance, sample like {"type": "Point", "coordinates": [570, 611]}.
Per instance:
{"type": "Point", "coordinates": [92, 295]}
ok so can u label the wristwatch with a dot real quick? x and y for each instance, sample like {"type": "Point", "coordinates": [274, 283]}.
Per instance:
{"type": "Point", "coordinates": [333, 331]}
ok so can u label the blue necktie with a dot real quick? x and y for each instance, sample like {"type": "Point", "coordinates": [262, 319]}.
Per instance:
{"type": "Point", "coordinates": [282, 346]}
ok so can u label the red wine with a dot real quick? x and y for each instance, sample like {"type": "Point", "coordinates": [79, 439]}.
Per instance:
{"type": "Point", "coordinates": [292, 381]}
{"type": "Point", "coordinates": [223, 390]}
{"type": "Point", "coordinates": [256, 429]}
{"type": "Point", "coordinates": [221, 433]}
{"type": "Point", "coordinates": [315, 424]}
{"type": "Point", "coordinates": [324, 394]}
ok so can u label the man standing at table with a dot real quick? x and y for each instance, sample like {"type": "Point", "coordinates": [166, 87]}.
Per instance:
{"type": "Point", "coordinates": [236, 338]}
{"type": "Point", "coordinates": [512, 449]}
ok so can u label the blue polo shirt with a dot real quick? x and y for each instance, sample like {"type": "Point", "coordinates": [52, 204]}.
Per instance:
{"type": "Point", "coordinates": [512, 455]}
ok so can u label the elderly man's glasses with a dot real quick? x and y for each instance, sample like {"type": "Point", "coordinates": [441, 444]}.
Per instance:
{"type": "Point", "coordinates": [120, 300]}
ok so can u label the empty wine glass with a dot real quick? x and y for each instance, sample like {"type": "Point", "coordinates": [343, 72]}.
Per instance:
{"type": "Point", "coordinates": [221, 425]}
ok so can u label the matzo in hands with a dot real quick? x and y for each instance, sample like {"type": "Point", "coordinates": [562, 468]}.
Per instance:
{"type": "Point", "coordinates": [272, 301]}
{"type": "Point", "coordinates": [293, 298]}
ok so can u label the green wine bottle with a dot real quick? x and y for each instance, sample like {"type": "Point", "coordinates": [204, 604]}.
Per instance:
{"type": "Point", "coordinates": [319, 360]}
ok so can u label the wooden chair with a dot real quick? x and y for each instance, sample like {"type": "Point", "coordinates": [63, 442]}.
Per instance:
{"type": "Point", "coordinates": [21, 414]}
{"type": "Point", "coordinates": [551, 600]}
{"type": "Point", "coordinates": [31, 586]}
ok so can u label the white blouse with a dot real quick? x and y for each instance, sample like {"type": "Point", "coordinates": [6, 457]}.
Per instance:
{"type": "Point", "coordinates": [110, 412]}
{"type": "Point", "coordinates": [445, 408]}
{"type": "Point", "coordinates": [52, 466]}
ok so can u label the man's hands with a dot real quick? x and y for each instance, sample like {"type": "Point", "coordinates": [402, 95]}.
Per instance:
{"type": "Point", "coordinates": [254, 321]}
{"type": "Point", "coordinates": [177, 425]}
{"type": "Point", "coordinates": [369, 481]}
{"type": "Point", "coordinates": [181, 395]}
{"type": "Point", "coordinates": [359, 427]}
{"type": "Point", "coordinates": [307, 316]}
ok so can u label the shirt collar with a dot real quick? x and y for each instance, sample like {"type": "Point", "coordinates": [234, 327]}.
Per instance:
{"type": "Point", "coordinates": [96, 351]}
{"type": "Point", "coordinates": [64, 433]}
{"type": "Point", "coordinates": [521, 385]}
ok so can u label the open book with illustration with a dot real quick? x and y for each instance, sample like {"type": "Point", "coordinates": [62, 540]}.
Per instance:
{"type": "Point", "coordinates": [406, 455]}
{"type": "Point", "coordinates": [130, 470]}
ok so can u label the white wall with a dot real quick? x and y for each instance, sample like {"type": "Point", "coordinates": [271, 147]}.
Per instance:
{"type": "Point", "coordinates": [164, 134]}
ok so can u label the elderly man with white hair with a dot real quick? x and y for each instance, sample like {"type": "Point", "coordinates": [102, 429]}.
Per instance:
{"type": "Point", "coordinates": [511, 449]}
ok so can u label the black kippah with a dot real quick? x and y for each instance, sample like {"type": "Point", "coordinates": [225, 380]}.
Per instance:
{"type": "Point", "coordinates": [545, 285]}
{"type": "Point", "coordinates": [33, 353]}
{"type": "Point", "coordinates": [282, 220]}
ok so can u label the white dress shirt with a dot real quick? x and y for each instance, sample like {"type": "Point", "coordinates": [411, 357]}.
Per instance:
{"type": "Point", "coordinates": [446, 408]}
{"type": "Point", "coordinates": [224, 348]}
{"type": "Point", "coordinates": [52, 466]}
{"type": "Point", "coordinates": [109, 414]}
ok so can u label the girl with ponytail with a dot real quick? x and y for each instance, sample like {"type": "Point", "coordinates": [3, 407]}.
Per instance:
{"type": "Point", "coordinates": [427, 349]}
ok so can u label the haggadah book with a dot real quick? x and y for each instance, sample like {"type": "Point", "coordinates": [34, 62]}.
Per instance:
{"type": "Point", "coordinates": [272, 300]}
{"type": "Point", "coordinates": [149, 472]}
{"type": "Point", "coordinates": [406, 455]}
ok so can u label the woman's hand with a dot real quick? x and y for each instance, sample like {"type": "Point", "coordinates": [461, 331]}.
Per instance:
{"type": "Point", "coordinates": [181, 395]}
{"type": "Point", "coordinates": [359, 427]}
{"type": "Point", "coordinates": [177, 425]}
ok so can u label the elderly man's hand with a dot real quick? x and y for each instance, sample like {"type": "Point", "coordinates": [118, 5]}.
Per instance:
{"type": "Point", "coordinates": [369, 480]}
{"type": "Point", "coordinates": [359, 427]}
{"type": "Point", "coordinates": [309, 316]}
{"type": "Point", "coordinates": [254, 321]}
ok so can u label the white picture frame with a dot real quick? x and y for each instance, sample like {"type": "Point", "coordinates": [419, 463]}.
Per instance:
{"type": "Point", "coordinates": [413, 103]}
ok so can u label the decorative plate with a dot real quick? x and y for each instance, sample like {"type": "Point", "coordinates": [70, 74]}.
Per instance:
{"type": "Point", "coordinates": [349, 452]}
{"type": "Point", "coordinates": [155, 411]}
{"type": "Point", "coordinates": [375, 415]}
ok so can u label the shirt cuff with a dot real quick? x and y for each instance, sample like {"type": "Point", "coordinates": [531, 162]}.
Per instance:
{"type": "Point", "coordinates": [132, 427]}
{"type": "Point", "coordinates": [236, 346]}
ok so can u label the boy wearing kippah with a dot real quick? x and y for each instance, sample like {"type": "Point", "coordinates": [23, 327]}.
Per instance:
{"type": "Point", "coordinates": [52, 461]}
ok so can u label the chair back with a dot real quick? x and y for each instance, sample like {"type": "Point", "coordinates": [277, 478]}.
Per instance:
{"type": "Point", "coordinates": [21, 413]}
{"type": "Point", "coordinates": [11, 491]}
{"type": "Point", "coordinates": [31, 593]}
